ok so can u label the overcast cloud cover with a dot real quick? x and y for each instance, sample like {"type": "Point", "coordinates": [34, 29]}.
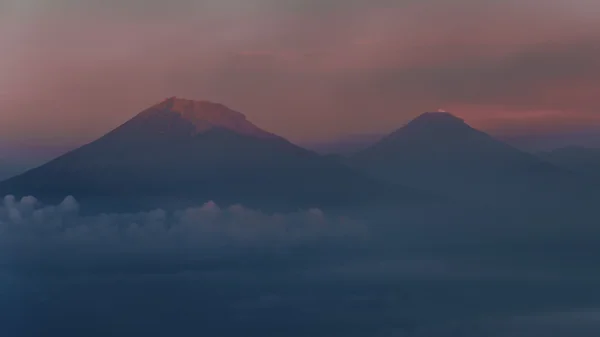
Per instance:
{"type": "Point", "coordinates": [235, 271]}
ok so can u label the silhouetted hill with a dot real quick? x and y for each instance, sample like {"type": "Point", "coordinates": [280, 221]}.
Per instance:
{"type": "Point", "coordinates": [579, 159]}
{"type": "Point", "coordinates": [190, 151]}
{"type": "Point", "coordinates": [440, 152]}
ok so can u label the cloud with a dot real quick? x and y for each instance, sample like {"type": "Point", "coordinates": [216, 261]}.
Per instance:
{"type": "Point", "coordinates": [32, 232]}
{"type": "Point", "coordinates": [437, 272]}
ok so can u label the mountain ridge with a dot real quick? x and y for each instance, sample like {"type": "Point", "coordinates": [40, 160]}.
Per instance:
{"type": "Point", "coordinates": [159, 155]}
{"type": "Point", "coordinates": [442, 153]}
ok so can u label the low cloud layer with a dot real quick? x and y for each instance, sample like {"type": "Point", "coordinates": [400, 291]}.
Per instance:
{"type": "Point", "coordinates": [206, 270]}
{"type": "Point", "coordinates": [32, 234]}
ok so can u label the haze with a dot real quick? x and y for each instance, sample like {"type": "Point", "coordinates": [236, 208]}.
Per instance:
{"type": "Point", "coordinates": [308, 70]}
{"type": "Point", "coordinates": [431, 185]}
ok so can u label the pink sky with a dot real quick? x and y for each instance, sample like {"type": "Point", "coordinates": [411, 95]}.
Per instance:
{"type": "Point", "coordinates": [307, 70]}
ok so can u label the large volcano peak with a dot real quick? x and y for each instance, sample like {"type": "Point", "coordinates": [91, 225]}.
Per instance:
{"type": "Point", "coordinates": [200, 110]}
{"type": "Point", "coordinates": [202, 115]}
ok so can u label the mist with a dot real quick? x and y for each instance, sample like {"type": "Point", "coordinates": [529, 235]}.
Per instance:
{"type": "Point", "coordinates": [438, 271]}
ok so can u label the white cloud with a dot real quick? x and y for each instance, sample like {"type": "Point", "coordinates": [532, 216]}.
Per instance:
{"type": "Point", "coordinates": [58, 234]}
{"type": "Point", "coordinates": [417, 274]}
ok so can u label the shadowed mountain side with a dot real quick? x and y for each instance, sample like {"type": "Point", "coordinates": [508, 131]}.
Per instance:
{"type": "Point", "coordinates": [441, 153]}
{"type": "Point", "coordinates": [5, 170]}
{"type": "Point", "coordinates": [9, 171]}
{"type": "Point", "coordinates": [161, 156]}
{"type": "Point", "coordinates": [579, 159]}
{"type": "Point", "coordinates": [10, 168]}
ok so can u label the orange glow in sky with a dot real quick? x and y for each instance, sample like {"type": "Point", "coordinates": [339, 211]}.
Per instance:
{"type": "Point", "coordinates": [306, 70]}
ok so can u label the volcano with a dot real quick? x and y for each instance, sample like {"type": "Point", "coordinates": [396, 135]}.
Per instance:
{"type": "Point", "coordinates": [440, 152]}
{"type": "Point", "coordinates": [182, 151]}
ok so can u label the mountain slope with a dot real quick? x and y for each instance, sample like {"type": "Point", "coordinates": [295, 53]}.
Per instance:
{"type": "Point", "coordinates": [440, 152]}
{"type": "Point", "coordinates": [579, 159]}
{"type": "Point", "coordinates": [5, 170]}
{"type": "Point", "coordinates": [9, 169]}
{"type": "Point", "coordinates": [188, 151]}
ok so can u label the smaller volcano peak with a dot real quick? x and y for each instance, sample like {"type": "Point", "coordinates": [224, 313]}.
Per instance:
{"type": "Point", "coordinates": [439, 117]}
{"type": "Point", "coordinates": [175, 103]}
{"type": "Point", "coordinates": [434, 123]}
{"type": "Point", "coordinates": [438, 120]}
